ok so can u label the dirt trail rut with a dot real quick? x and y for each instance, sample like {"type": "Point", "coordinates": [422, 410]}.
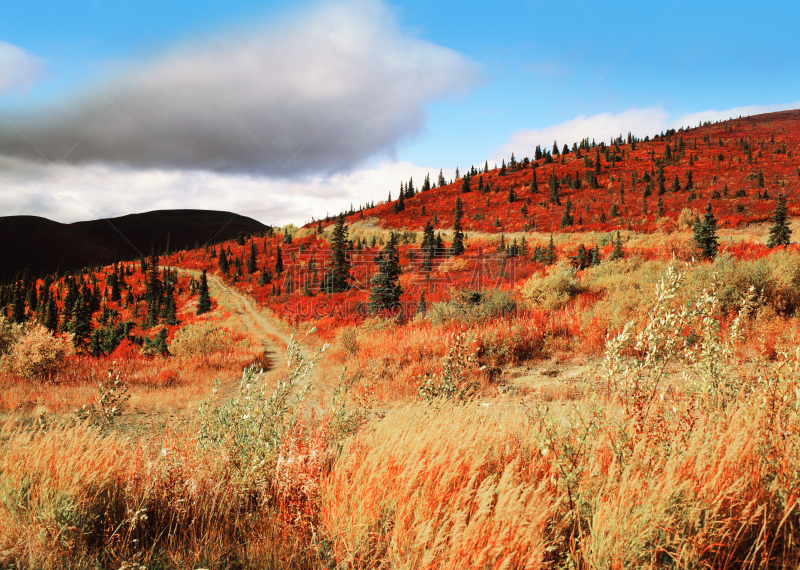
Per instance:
{"type": "Point", "coordinates": [272, 335]}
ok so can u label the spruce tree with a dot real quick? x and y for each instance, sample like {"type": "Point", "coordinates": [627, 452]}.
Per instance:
{"type": "Point", "coordinates": [169, 312]}
{"type": "Point", "coordinates": [385, 292]}
{"type": "Point", "coordinates": [203, 298]}
{"type": "Point", "coordinates": [223, 261]}
{"type": "Point", "coordinates": [51, 315]}
{"type": "Point", "coordinates": [422, 304]}
{"type": "Point", "coordinates": [554, 196]}
{"type": "Point", "coordinates": [512, 196]}
{"type": "Point", "coordinates": [154, 290]}
{"type": "Point", "coordinates": [80, 324]}
{"type": "Point", "coordinates": [18, 304]}
{"type": "Point", "coordinates": [31, 299]}
{"type": "Point", "coordinates": [617, 253]}
{"type": "Point", "coordinates": [550, 256]}
{"type": "Point", "coordinates": [158, 344]}
{"type": "Point", "coordinates": [340, 265]}
{"type": "Point", "coordinates": [278, 262]}
{"type": "Point", "coordinates": [566, 218]}
{"type": "Point", "coordinates": [705, 234]}
{"type": "Point", "coordinates": [251, 261]}
{"type": "Point", "coordinates": [457, 247]}
{"type": "Point", "coordinates": [534, 187]}
{"type": "Point", "coordinates": [779, 233]}
{"type": "Point", "coordinates": [428, 245]}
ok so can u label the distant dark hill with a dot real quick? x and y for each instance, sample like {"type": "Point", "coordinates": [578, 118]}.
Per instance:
{"type": "Point", "coordinates": [44, 245]}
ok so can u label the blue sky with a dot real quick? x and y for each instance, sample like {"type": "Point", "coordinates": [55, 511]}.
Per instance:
{"type": "Point", "coordinates": [113, 106]}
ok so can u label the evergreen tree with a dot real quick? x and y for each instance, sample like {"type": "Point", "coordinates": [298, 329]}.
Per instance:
{"type": "Point", "coordinates": [779, 233]}
{"type": "Point", "coordinates": [80, 324]}
{"type": "Point", "coordinates": [594, 256]}
{"type": "Point", "coordinates": [278, 262]}
{"type": "Point", "coordinates": [676, 185]}
{"type": "Point", "coordinates": [169, 312]}
{"type": "Point", "coordinates": [31, 299]}
{"type": "Point", "coordinates": [566, 218]}
{"type": "Point", "coordinates": [116, 294]}
{"type": "Point", "coordinates": [385, 292]}
{"type": "Point", "coordinates": [51, 314]}
{"type": "Point", "coordinates": [550, 256]}
{"type": "Point", "coordinates": [512, 196]}
{"type": "Point", "coordinates": [554, 195]}
{"type": "Point", "coordinates": [457, 247]}
{"type": "Point", "coordinates": [340, 269]}
{"type": "Point", "coordinates": [617, 253]}
{"type": "Point", "coordinates": [154, 290]}
{"type": "Point", "coordinates": [223, 261]}
{"type": "Point", "coordinates": [428, 245]}
{"type": "Point", "coordinates": [422, 304]}
{"type": "Point", "coordinates": [17, 304]}
{"type": "Point", "coordinates": [705, 234]}
{"type": "Point", "coordinates": [158, 344]}
{"type": "Point", "coordinates": [534, 187]}
{"type": "Point", "coordinates": [203, 298]}
{"type": "Point", "coordinates": [251, 261]}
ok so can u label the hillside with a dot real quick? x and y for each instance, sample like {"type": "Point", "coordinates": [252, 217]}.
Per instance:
{"type": "Point", "coordinates": [740, 165]}
{"type": "Point", "coordinates": [44, 245]}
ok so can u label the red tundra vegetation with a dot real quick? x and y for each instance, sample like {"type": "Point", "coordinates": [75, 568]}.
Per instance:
{"type": "Point", "coordinates": [613, 383]}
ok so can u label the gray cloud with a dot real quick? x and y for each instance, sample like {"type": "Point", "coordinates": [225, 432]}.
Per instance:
{"type": "Point", "coordinates": [318, 94]}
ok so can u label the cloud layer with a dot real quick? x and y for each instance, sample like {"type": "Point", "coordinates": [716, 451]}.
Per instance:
{"type": "Point", "coordinates": [604, 126]}
{"type": "Point", "coordinates": [72, 193]}
{"type": "Point", "coordinates": [317, 95]}
{"type": "Point", "coordinates": [18, 69]}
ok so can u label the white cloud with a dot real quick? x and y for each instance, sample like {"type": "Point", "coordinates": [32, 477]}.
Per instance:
{"type": "Point", "coordinates": [318, 94]}
{"type": "Point", "coordinates": [70, 193]}
{"type": "Point", "coordinates": [600, 127]}
{"type": "Point", "coordinates": [18, 68]}
{"type": "Point", "coordinates": [604, 126]}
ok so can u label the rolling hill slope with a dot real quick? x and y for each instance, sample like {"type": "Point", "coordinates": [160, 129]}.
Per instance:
{"type": "Point", "coordinates": [44, 245]}
{"type": "Point", "coordinates": [740, 165]}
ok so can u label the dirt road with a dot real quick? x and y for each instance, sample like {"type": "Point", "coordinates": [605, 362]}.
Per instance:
{"type": "Point", "coordinates": [271, 334]}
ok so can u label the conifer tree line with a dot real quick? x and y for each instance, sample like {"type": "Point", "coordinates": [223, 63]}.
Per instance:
{"type": "Point", "coordinates": [676, 148]}
{"type": "Point", "coordinates": [82, 305]}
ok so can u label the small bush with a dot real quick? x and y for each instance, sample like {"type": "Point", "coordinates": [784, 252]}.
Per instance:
{"type": "Point", "coordinates": [473, 306]}
{"type": "Point", "coordinates": [687, 218]}
{"type": "Point", "coordinates": [38, 352]}
{"type": "Point", "coordinates": [348, 341]}
{"type": "Point", "coordinates": [9, 334]}
{"type": "Point", "coordinates": [552, 291]}
{"type": "Point", "coordinates": [202, 340]}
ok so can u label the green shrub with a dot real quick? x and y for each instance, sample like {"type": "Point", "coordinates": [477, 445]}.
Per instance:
{"type": "Point", "coordinates": [553, 290]}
